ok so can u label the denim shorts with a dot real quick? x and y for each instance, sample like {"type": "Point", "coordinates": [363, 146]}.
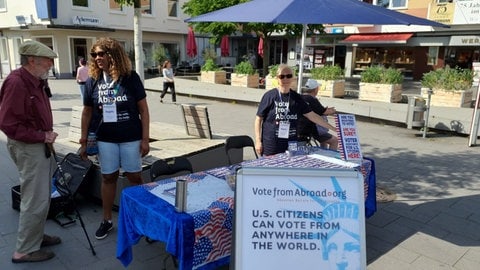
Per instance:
{"type": "Point", "coordinates": [113, 156]}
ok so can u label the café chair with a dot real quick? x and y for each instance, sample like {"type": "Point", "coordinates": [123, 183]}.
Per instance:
{"type": "Point", "coordinates": [167, 168]}
{"type": "Point", "coordinates": [238, 142]}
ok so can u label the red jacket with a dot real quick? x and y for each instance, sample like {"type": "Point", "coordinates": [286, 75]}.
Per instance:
{"type": "Point", "coordinates": [25, 111]}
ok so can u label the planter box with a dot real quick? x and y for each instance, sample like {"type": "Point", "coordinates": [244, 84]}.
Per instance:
{"type": "Point", "coordinates": [244, 80]}
{"type": "Point", "coordinates": [331, 88]}
{"type": "Point", "coordinates": [271, 83]}
{"type": "Point", "coordinates": [219, 77]}
{"type": "Point", "coordinates": [380, 92]}
{"type": "Point", "coordinates": [443, 98]}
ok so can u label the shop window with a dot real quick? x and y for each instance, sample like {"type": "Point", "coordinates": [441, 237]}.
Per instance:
{"type": "Point", "coordinates": [432, 56]}
{"type": "Point", "coordinates": [3, 5]}
{"type": "Point", "coordinates": [3, 50]}
{"type": "Point", "coordinates": [392, 4]}
{"type": "Point", "coordinates": [80, 3]}
{"type": "Point", "coordinates": [114, 6]}
{"type": "Point", "coordinates": [172, 8]}
{"type": "Point", "coordinates": [17, 42]}
{"type": "Point", "coordinates": [146, 7]}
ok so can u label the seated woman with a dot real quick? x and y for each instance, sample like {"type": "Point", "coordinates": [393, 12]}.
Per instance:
{"type": "Point", "coordinates": [308, 130]}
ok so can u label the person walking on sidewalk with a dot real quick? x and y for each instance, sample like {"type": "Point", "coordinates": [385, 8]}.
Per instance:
{"type": "Point", "coordinates": [27, 121]}
{"type": "Point", "coordinates": [82, 75]}
{"type": "Point", "coordinates": [168, 81]}
{"type": "Point", "coordinates": [115, 108]}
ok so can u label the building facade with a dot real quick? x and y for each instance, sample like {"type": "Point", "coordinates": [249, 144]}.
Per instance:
{"type": "Point", "coordinates": [70, 27]}
{"type": "Point", "coordinates": [412, 49]}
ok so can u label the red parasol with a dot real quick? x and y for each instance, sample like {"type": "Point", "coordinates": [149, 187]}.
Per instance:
{"type": "Point", "coordinates": [260, 47]}
{"type": "Point", "coordinates": [225, 46]}
{"type": "Point", "coordinates": [191, 44]}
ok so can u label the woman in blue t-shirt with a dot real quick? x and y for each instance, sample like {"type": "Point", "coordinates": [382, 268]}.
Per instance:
{"type": "Point", "coordinates": [115, 108]}
{"type": "Point", "coordinates": [278, 114]}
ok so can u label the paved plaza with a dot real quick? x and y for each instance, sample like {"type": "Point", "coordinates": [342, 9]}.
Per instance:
{"type": "Point", "coordinates": [434, 222]}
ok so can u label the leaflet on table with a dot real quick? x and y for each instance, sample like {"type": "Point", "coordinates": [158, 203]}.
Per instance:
{"type": "Point", "coordinates": [200, 193]}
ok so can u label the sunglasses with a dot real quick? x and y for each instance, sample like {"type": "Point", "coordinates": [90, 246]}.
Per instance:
{"type": "Point", "coordinates": [288, 76]}
{"type": "Point", "coordinates": [95, 54]}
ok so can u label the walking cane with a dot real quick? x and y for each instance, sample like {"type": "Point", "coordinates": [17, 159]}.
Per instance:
{"type": "Point", "coordinates": [64, 180]}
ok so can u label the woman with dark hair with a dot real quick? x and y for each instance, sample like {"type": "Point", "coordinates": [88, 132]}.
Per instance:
{"type": "Point", "coordinates": [168, 81]}
{"type": "Point", "coordinates": [115, 109]}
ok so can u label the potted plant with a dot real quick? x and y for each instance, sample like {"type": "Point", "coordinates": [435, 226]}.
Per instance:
{"type": "Point", "coordinates": [452, 87]}
{"type": "Point", "coordinates": [211, 73]}
{"type": "Point", "coordinates": [244, 75]}
{"type": "Point", "coordinates": [381, 84]}
{"type": "Point", "coordinates": [159, 56]}
{"type": "Point", "coordinates": [332, 80]}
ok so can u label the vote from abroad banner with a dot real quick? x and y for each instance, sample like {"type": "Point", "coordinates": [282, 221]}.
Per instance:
{"type": "Point", "coordinates": [299, 218]}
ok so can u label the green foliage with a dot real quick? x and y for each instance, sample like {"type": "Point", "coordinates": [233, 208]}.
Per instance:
{"type": "Point", "coordinates": [448, 79]}
{"type": "Point", "coordinates": [210, 66]}
{"type": "Point", "coordinates": [328, 72]}
{"type": "Point", "coordinates": [272, 71]}
{"type": "Point", "coordinates": [244, 67]}
{"type": "Point", "coordinates": [209, 53]}
{"type": "Point", "coordinates": [159, 55]}
{"type": "Point", "coordinates": [377, 74]}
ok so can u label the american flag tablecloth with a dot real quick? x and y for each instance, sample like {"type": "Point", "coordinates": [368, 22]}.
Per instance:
{"type": "Point", "coordinates": [201, 237]}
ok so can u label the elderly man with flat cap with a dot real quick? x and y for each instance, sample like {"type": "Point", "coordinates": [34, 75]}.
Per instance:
{"type": "Point", "coordinates": [27, 121]}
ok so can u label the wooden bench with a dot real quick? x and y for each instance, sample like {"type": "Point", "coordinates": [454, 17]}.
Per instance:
{"type": "Point", "coordinates": [74, 131]}
{"type": "Point", "coordinates": [196, 121]}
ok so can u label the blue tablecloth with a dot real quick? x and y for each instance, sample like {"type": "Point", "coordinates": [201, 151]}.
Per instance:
{"type": "Point", "coordinates": [201, 239]}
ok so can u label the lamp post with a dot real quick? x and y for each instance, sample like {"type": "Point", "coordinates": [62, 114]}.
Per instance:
{"type": "Point", "coordinates": [427, 112]}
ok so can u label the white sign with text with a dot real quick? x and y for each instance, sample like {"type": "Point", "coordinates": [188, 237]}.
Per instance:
{"type": "Point", "coordinates": [299, 218]}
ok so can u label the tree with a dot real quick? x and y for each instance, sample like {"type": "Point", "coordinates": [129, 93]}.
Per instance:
{"type": "Point", "coordinates": [218, 30]}
{"type": "Point", "coordinates": [137, 32]}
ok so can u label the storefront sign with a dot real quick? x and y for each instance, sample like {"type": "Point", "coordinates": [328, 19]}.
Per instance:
{"type": "Point", "coordinates": [442, 13]}
{"type": "Point", "coordinates": [467, 12]}
{"type": "Point", "coordinates": [82, 20]}
{"type": "Point", "coordinates": [299, 218]}
{"type": "Point", "coordinates": [464, 41]}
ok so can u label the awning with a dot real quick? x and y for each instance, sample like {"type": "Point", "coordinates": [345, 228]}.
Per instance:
{"type": "Point", "coordinates": [378, 39]}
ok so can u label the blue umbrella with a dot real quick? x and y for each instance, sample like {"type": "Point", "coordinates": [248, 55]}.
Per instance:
{"type": "Point", "coordinates": [311, 12]}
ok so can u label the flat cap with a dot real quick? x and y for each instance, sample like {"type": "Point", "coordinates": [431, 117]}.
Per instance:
{"type": "Point", "coordinates": [35, 48]}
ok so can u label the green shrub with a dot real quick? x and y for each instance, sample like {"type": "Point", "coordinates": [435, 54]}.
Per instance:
{"type": "Point", "coordinates": [244, 67]}
{"type": "Point", "coordinates": [210, 66]}
{"type": "Point", "coordinates": [327, 73]}
{"type": "Point", "coordinates": [448, 79]}
{"type": "Point", "coordinates": [272, 71]}
{"type": "Point", "coordinates": [377, 74]}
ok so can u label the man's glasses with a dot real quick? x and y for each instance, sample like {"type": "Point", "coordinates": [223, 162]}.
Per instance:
{"type": "Point", "coordinates": [288, 76]}
{"type": "Point", "coordinates": [95, 54]}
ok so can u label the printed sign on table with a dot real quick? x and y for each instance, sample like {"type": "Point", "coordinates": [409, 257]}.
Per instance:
{"type": "Point", "coordinates": [348, 141]}
{"type": "Point", "coordinates": [292, 218]}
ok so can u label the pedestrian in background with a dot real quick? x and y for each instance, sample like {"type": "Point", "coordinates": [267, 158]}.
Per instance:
{"type": "Point", "coordinates": [278, 113]}
{"type": "Point", "coordinates": [168, 81]}
{"type": "Point", "coordinates": [27, 121]}
{"type": "Point", "coordinates": [82, 75]}
{"type": "Point", "coordinates": [115, 109]}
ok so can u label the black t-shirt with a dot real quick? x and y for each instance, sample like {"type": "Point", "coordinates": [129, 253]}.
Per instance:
{"type": "Point", "coordinates": [307, 128]}
{"type": "Point", "coordinates": [125, 94]}
{"type": "Point", "coordinates": [275, 107]}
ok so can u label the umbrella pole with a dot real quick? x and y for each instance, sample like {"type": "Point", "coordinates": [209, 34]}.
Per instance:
{"type": "Point", "coordinates": [302, 52]}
